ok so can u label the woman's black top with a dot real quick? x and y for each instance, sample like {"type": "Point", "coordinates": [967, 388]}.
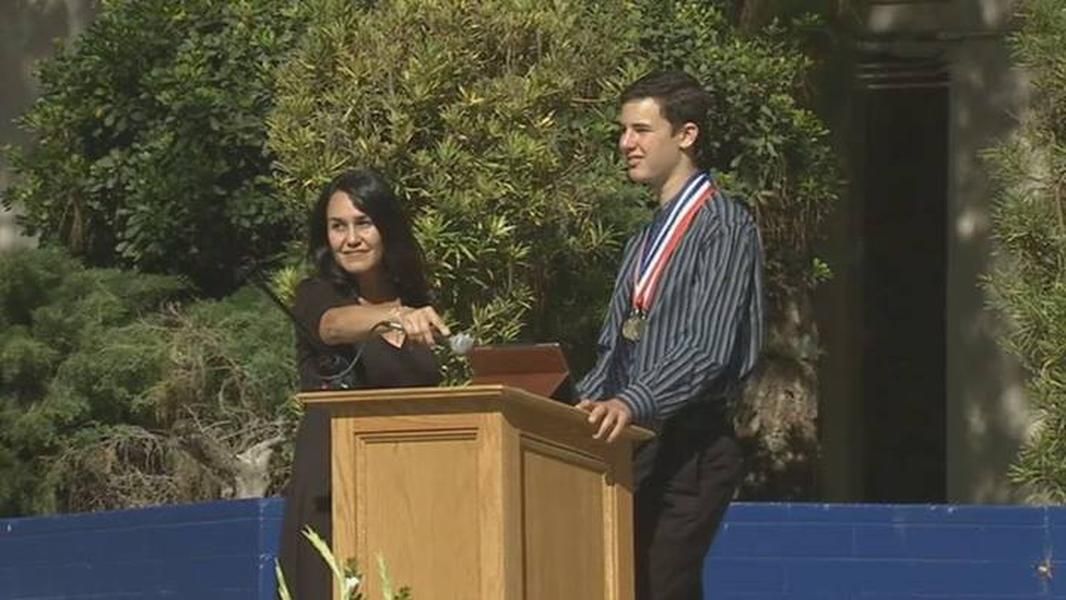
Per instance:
{"type": "Point", "coordinates": [381, 365]}
{"type": "Point", "coordinates": [307, 499]}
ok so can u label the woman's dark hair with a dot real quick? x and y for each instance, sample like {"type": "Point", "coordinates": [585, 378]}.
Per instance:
{"type": "Point", "coordinates": [402, 256]}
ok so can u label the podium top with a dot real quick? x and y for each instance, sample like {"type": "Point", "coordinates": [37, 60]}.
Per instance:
{"type": "Point", "coordinates": [459, 398]}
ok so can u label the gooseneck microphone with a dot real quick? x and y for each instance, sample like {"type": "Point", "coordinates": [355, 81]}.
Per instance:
{"type": "Point", "coordinates": [334, 368]}
{"type": "Point", "coordinates": [458, 343]}
{"type": "Point", "coordinates": [336, 371]}
{"type": "Point", "coordinates": [461, 343]}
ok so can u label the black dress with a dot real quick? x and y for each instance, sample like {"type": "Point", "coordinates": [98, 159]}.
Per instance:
{"type": "Point", "coordinates": [307, 498]}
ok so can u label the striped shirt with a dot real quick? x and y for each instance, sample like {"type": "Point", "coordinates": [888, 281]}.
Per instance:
{"type": "Point", "coordinates": [704, 330]}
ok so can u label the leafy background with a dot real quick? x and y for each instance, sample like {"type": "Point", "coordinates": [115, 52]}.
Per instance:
{"type": "Point", "coordinates": [180, 141]}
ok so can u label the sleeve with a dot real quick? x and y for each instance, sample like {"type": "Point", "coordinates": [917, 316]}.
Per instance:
{"type": "Point", "coordinates": [715, 327]}
{"type": "Point", "coordinates": [593, 385]}
{"type": "Point", "coordinates": [313, 298]}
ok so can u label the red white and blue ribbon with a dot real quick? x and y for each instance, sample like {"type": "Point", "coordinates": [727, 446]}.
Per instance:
{"type": "Point", "coordinates": [654, 257]}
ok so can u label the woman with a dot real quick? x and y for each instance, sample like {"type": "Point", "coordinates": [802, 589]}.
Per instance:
{"type": "Point", "coordinates": [365, 322]}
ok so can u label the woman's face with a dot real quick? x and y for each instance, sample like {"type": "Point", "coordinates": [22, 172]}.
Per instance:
{"type": "Point", "coordinates": [354, 239]}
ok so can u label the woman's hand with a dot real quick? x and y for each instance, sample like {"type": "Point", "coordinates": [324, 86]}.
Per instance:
{"type": "Point", "coordinates": [421, 324]}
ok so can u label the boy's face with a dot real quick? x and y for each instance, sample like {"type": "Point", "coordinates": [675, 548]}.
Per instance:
{"type": "Point", "coordinates": [650, 146]}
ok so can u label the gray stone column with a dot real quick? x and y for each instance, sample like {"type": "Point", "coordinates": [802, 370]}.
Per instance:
{"type": "Point", "coordinates": [29, 32]}
{"type": "Point", "coordinates": [984, 407]}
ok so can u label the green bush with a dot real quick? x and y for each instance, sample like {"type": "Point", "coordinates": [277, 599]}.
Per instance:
{"type": "Point", "coordinates": [150, 139]}
{"type": "Point", "coordinates": [775, 153]}
{"type": "Point", "coordinates": [495, 121]}
{"type": "Point", "coordinates": [63, 331]}
{"type": "Point", "coordinates": [114, 394]}
{"type": "Point", "coordinates": [498, 125]}
{"type": "Point", "coordinates": [1028, 282]}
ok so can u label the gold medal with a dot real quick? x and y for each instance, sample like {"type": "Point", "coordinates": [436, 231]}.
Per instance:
{"type": "Point", "coordinates": [658, 242]}
{"type": "Point", "coordinates": [633, 327]}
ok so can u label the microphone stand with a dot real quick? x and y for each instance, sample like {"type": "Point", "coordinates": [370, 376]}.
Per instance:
{"type": "Point", "coordinates": [334, 381]}
{"type": "Point", "coordinates": [459, 344]}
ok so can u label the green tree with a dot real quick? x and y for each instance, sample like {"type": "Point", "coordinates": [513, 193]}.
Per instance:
{"type": "Point", "coordinates": [54, 318]}
{"type": "Point", "coordinates": [113, 394]}
{"type": "Point", "coordinates": [1028, 282]}
{"type": "Point", "coordinates": [774, 152]}
{"type": "Point", "coordinates": [150, 139]}
{"type": "Point", "coordinates": [497, 122]}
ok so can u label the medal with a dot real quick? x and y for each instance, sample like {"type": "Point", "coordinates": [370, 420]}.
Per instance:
{"type": "Point", "coordinates": [633, 327]}
{"type": "Point", "coordinates": [657, 248]}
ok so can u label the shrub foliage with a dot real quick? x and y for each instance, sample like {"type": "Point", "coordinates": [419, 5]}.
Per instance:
{"type": "Point", "coordinates": [186, 137]}
{"type": "Point", "coordinates": [116, 389]}
{"type": "Point", "coordinates": [497, 122]}
{"type": "Point", "coordinates": [1028, 282]}
{"type": "Point", "coordinates": [150, 132]}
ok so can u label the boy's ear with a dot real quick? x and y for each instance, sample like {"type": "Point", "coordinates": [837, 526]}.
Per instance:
{"type": "Point", "coordinates": [688, 132]}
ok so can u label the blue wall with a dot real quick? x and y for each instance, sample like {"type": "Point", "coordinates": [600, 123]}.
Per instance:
{"type": "Point", "coordinates": [218, 550]}
{"type": "Point", "coordinates": [225, 550]}
{"type": "Point", "coordinates": [878, 552]}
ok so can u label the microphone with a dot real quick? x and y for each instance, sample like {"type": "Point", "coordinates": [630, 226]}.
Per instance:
{"type": "Point", "coordinates": [461, 343]}
{"type": "Point", "coordinates": [339, 370]}
{"type": "Point", "coordinates": [458, 343]}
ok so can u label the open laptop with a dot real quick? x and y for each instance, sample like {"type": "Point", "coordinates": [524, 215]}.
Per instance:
{"type": "Point", "coordinates": [537, 368]}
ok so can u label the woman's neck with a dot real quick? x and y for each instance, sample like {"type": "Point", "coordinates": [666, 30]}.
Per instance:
{"type": "Point", "coordinates": [375, 288]}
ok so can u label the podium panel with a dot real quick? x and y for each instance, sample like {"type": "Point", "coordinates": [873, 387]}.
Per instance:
{"type": "Point", "coordinates": [421, 520]}
{"type": "Point", "coordinates": [563, 518]}
{"type": "Point", "coordinates": [480, 492]}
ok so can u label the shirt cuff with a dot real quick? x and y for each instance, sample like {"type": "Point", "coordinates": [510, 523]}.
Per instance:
{"type": "Point", "coordinates": [640, 401]}
{"type": "Point", "coordinates": [584, 390]}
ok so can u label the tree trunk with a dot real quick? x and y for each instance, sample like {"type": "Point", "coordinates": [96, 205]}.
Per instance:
{"type": "Point", "coordinates": [777, 419]}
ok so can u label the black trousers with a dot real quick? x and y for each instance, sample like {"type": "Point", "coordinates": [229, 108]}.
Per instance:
{"type": "Point", "coordinates": [307, 504]}
{"type": "Point", "coordinates": [685, 481]}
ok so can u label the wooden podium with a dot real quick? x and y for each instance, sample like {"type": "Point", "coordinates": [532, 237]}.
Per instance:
{"type": "Point", "coordinates": [481, 492]}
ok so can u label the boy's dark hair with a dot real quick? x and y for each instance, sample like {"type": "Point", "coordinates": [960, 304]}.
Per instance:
{"type": "Point", "coordinates": [681, 100]}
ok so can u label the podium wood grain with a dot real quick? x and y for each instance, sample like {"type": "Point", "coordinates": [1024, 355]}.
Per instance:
{"type": "Point", "coordinates": [480, 492]}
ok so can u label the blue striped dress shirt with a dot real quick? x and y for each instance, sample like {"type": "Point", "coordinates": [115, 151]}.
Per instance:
{"type": "Point", "coordinates": [704, 330]}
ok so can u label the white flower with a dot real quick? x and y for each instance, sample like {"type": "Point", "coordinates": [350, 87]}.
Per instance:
{"type": "Point", "coordinates": [351, 585]}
